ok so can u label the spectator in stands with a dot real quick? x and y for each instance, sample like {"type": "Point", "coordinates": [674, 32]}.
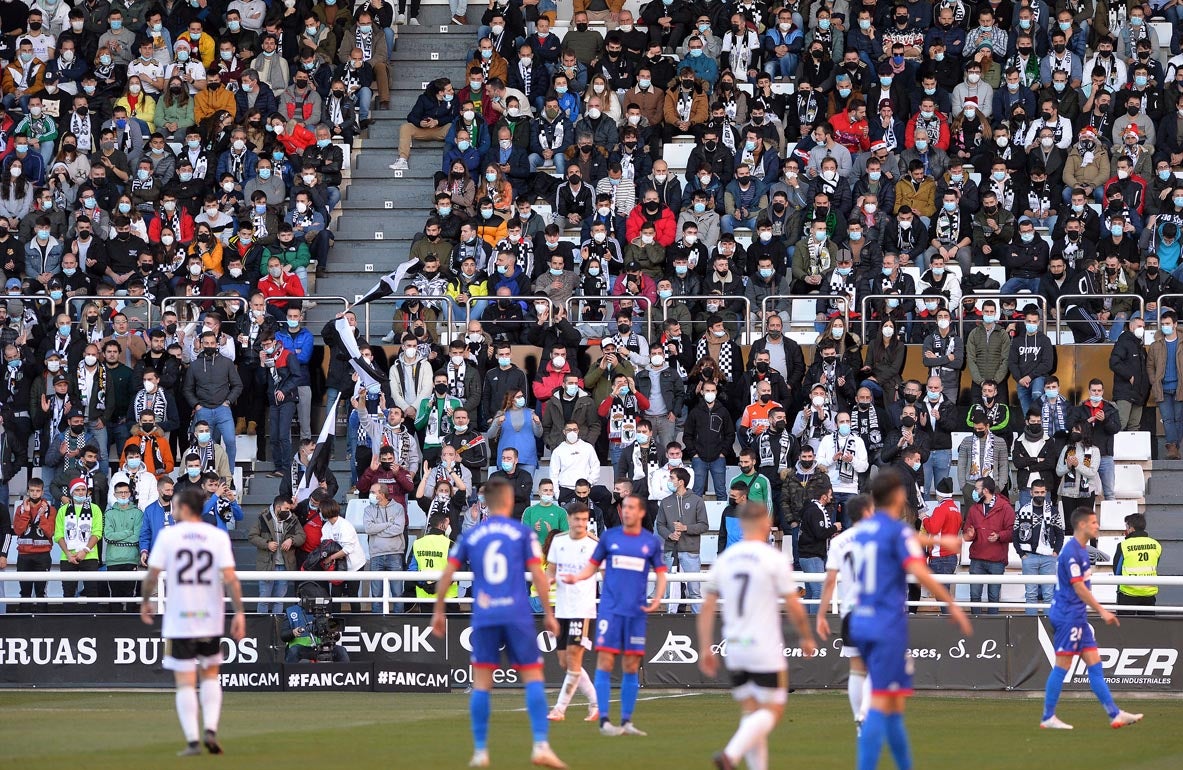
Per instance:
{"type": "Point", "coordinates": [1038, 537]}
{"type": "Point", "coordinates": [944, 521]}
{"type": "Point", "coordinates": [709, 433]}
{"type": "Point", "coordinates": [680, 522]}
{"type": "Point", "coordinates": [989, 528]}
{"type": "Point", "coordinates": [982, 455]}
{"type": "Point", "coordinates": [78, 531]}
{"type": "Point", "coordinates": [277, 535]}
{"type": "Point", "coordinates": [818, 526]}
{"type": "Point", "coordinates": [430, 118]}
{"type": "Point", "coordinates": [1131, 383]}
{"type": "Point", "coordinates": [517, 475]}
{"type": "Point", "coordinates": [516, 426]}
{"type": "Point", "coordinates": [1078, 466]}
{"type": "Point", "coordinates": [1162, 369]}
{"type": "Point", "coordinates": [987, 351]}
{"type": "Point", "coordinates": [1031, 359]}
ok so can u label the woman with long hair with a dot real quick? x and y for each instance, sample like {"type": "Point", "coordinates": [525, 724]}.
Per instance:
{"type": "Point", "coordinates": [174, 110]}
{"type": "Point", "coordinates": [1079, 467]}
{"type": "Point", "coordinates": [208, 248]}
{"type": "Point", "coordinates": [849, 347]}
{"type": "Point", "coordinates": [516, 426]}
{"type": "Point", "coordinates": [460, 186]}
{"type": "Point", "coordinates": [495, 186]}
{"type": "Point", "coordinates": [16, 194]}
{"type": "Point", "coordinates": [139, 105]}
{"type": "Point", "coordinates": [609, 103]}
{"type": "Point", "coordinates": [110, 75]}
{"type": "Point", "coordinates": [77, 163]}
{"type": "Point", "coordinates": [970, 137]}
{"type": "Point", "coordinates": [886, 355]}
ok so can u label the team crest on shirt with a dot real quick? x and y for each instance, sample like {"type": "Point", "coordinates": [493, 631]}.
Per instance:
{"type": "Point", "coordinates": [482, 600]}
{"type": "Point", "coordinates": [645, 550]}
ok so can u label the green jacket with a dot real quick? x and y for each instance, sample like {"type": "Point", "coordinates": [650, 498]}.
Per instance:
{"type": "Point", "coordinates": [545, 518]}
{"type": "Point", "coordinates": [76, 526]}
{"type": "Point", "coordinates": [423, 412]}
{"type": "Point", "coordinates": [121, 532]}
{"type": "Point", "coordinates": [987, 356]}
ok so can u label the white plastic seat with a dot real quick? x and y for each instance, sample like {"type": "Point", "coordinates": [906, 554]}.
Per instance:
{"type": "Point", "coordinates": [747, 88]}
{"type": "Point", "coordinates": [804, 311]}
{"type": "Point", "coordinates": [676, 154]}
{"type": "Point", "coordinates": [1129, 481]}
{"type": "Point", "coordinates": [715, 513]}
{"type": "Point", "coordinates": [1113, 513]}
{"type": "Point", "coordinates": [708, 548]}
{"type": "Point", "coordinates": [783, 88]}
{"type": "Point", "coordinates": [1132, 446]}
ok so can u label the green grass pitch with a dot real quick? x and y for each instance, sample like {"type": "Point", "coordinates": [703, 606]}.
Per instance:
{"type": "Point", "coordinates": [128, 731]}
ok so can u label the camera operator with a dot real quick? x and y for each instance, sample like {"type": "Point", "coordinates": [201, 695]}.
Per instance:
{"type": "Point", "coordinates": [312, 632]}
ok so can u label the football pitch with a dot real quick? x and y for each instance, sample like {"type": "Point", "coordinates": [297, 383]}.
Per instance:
{"type": "Point", "coordinates": [127, 731]}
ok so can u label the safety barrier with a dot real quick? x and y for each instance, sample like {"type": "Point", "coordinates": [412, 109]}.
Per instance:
{"type": "Point", "coordinates": [394, 299]}
{"type": "Point", "coordinates": [1030, 298]}
{"type": "Point", "coordinates": [1060, 305]}
{"type": "Point", "coordinates": [80, 300]}
{"type": "Point", "coordinates": [842, 300]}
{"type": "Point", "coordinates": [725, 298]}
{"type": "Point", "coordinates": [578, 318]}
{"type": "Point", "coordinates": [673, 577]}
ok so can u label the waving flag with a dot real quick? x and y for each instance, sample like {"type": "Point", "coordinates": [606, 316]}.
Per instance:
{"type": "Point", "coordinates": [318, 466]}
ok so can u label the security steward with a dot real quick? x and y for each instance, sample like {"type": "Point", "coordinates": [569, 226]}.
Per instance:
{"type": "Point", "coordinates": [1137, 555]}
{"type": "Point", "coordinates": [430, 554]}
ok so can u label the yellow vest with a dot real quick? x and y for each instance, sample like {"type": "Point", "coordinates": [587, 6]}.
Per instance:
{"type": "Point", "coordinates": [431, 555]}
{"type": "Point", "coordinates": [1139, 557]}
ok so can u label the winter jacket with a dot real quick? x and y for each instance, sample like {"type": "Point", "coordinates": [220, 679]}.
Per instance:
{"type": "Point", "coordinates": [1084, 479]}
{"type": "Point", "coordinates": [1028, 529]}
{"type": "Point", "coordinates": [583, 413]}
{"type": "Point", "coordinates": [263, 532]}
{"type": "Point", "coordinates": [672, 387]}
{"type": "Point", "coordinates": [1031, 355]}
{"type": "Point", "coordinates": [1106, 425]}
{"type": "Point", "coordinates": [987, 355]}
{"type": "Point", "coordinates": [817, 527]}
{"type": "Point", "coordinates": [999, 518]}
{"type": "Point", "coordinates": [1035, 460]}
{"type": "Point", "coordinates": [1131, 381]}
{"type": "Point", "coordinates": [212, 380]}
{"type": "Point", "coordinates": [1156, 366]}
{"type": "Point", "coordinates": [709, 432]}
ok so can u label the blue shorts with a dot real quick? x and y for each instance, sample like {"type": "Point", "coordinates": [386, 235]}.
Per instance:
{"type": "Point", "coordinates": [621, 634]}
{"type": "Point", "coordinates": [520, 641]}
{"type": "Point", "coordinates": [888, 665]}
{"type": "Point", "coordinates": [1072, 636]}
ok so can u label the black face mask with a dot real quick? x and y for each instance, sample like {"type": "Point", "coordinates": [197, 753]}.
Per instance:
{"type": "Point", "coordinates": [1132, 110]}
{"type": "Point", "coordinates": [147, 427]}
{"type": "Point", "coordinates": [980, 433]}
{"type": "Point", "coordinates": [911, 398]}
{"type": "Point", "coordinates": [1034, 431]}
{"type": "Point", "coordinates": [441, 389]}
{"type": "Point", "coordinates": [166, 499]}
{"type": "Point", "coordinates": [710, 146]}
{"type": "Point", "coordinates": [762, 366]}
{"type": "Point", "coordinates": [1074, 436]}
{"type": "Point", "coordinates": [806, 464]}
{"type": "Point", "coordinates": [1037, 502]}
{"type": "Point", "coordinates": [906, 422]}
{"type": "Point", "coordinates": [77, 430]}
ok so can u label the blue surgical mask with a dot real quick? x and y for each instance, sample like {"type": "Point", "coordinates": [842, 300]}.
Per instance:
{"type": "Point", "coordinates": [293, 323]}
{"type": "Point", "coordinates": [699, 208]}
{"type": "Point", "coordinates": [976, 495]}
{"type": "Point", "coordinates": [193, 473]}
{"type": "Point", "coordinates": [1031, 328]}
{"type": "Point", "coordinates": [1116, 230]}
{"type": "Point", "coordinates": [264, 173]}
{"type": "Point", "coordinates": [571, 390]}
{"type": "Point", "coordinates": [506, 466]}
{"type": "Point", "coordinates": [1027, 237]}
{"type": "Point", "coordinates": [921, 145]}
{"type": "Point", "coordinates": [1140, 81]}
{"type": "Point", "coordinates": [949, 206]}
{"type": "Point", "coordinates": [463, 145]}
{"type": "Point", "coordinates": [504, 361]}
{"type": "Point", "coordinates": [875, 176]}
{"type": "Point", "coordinates": [988, 318]}
{"type": "Point", "coordinates": [1164, 174]}
{"type": "Point", "coordinates": [844, 429]}
{"type": "Point", "coordinates": [885, 82]}
{"type": "Point", "coordinates": [323, 143]}
{"type": "Point", "coordinates": [855, 235]}
{"type": "Point", "coordinates": [766, 272]}
{"type": "Point", "coordinates": [844, 92]}
{"type": "Point", "coordinates": [133, 463]}
{"type": "Point", "coordinates": [202, 437]}
{"type": "Point", "coordinates": [681, 270]}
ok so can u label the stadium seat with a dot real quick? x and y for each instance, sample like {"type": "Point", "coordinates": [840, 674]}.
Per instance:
{"type": "Point", "coordinates": [715, 513]}
{"type": "Point", "coordinates": [676, 154]}
{"type": "Point", "coordinates": [247, 449]}
{"type": "Point", "coordinates": [708, 548]}
{"type": "Point", "coordinates": [1132, 446]}
{"type": "Point", "coordinates": [1129, 481]}
{"type": "Point", "coordinates": [804, 312]}
{"type": "Point", "coordinates": [1113, 513]}
{"type": "Point", "coordinates": [1109, 545]}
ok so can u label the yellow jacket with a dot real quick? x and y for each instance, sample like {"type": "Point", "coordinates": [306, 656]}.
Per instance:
{"type": "Point", "coordinates": [145, 109]}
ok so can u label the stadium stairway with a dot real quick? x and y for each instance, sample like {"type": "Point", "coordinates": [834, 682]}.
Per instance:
{"type": "Point", "coordinates": [1166, 524]}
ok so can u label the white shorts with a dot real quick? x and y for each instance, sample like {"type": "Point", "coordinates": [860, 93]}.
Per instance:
{"type": "Point", "coordinates": [769, 688]}
{"type": "Point", "coordinates": [190, 654]}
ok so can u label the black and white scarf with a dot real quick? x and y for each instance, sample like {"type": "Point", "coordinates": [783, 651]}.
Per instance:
{"type": "Point", "coordinates": [94, 399]}
{"type": "Point", "coordinates": [866, 426]}
{"type": "Point", "coordinates": [807, 108]}
{"type": "Point", "coordinates": [774, 450]}
{"type": "Point", "coordinates": [399, 440]}
{"type": "Point", "coordinates": [622, 419]}
{"type": "Point", "coordinates": [948, 226]}
{"type": "Point", "coordinates": [206, 454]}
{"type": "Point", "coordinates": [845, 469]}
{"type": "Point", "coordinates": [152, 445]}
{"type": "Point", "coordinates": [981, 458]}
{"type": "Point", "coordinates": [1054, 416]}
{"type": "Point", "coordinates": [158, 407]}
{"type": "Point", "coordinates": [456, 380]}
{"type": "Point", "coordinates": [702, 350]}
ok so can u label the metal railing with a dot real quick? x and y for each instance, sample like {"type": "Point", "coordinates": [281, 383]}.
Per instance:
{"type": "Point", "coordinates": [1160, 301]}
{"type": "Point", "coordinates": [746, 320]}
{"type": "Point", "coordinates": [80, 301]}
{"type": "Point", "coordinates": [843, 300]}
{"type": "Point", "coordinates": [526, 318]}
{"type": "Point", "coordinates": [394, 299]}
{"type": "Point", "coordinates": [578, 318]}
{"type": "Point", "coordinates": [1096, 297]}
{"type": "Point", "coordinates": [997, 298]}
{"type": "Point", "coordinates": [387, 599]}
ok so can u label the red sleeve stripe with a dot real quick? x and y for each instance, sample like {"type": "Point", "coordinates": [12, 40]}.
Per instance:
{"type": "Point", "coordinates": [914, 560]}
{"type": "Point", "coordinates": [662, 568]}
{"type": "Point", "coordinates": [593, 562]}
{"type": "Point", "coordinates": [454, 562]}
{"type": "Point", "coordinates": [1076, 579]}
{"type": "Point", "coordinates": [533, 560]}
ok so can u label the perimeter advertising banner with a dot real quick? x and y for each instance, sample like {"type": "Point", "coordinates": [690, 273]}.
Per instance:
{"type": "Point", "coordinates": [399, 653]}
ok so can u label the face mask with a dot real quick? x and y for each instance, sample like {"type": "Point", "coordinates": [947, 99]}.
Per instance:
{"type": "Point", "coordinates": [503, 362]}
{"type": "Point", "coordinates": [709, 397]}
{"type": "Point", "coordinates": [921, 145]}
{"type": "Point", "coordinates": [193, 473]}
{"type": "Point", "coordinates": [90, 360]}
{"type": "Point", "coordinates": [844, 429]}
{"type": "Point", "coordinates": [988, 318]}
{"type": "Point", "coordinates": [1116, 230]}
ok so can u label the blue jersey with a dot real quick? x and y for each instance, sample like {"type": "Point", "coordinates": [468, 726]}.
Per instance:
{"type": "Point", "coordinates": [1072, 567]}
{"type": "Point", "coordinates": [627, 560]}
{"type": "Point", "coordinates": [498, 551]}
{"type": "Point", "coordinates": [879, 550]}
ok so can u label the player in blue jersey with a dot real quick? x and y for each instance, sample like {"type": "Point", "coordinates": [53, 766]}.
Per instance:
{"type": "Point", "coordinates": [628, 553]}
{"type": "Point", "coordinates": [1072, 633]}
{"type": "Point", "coordinates": [884, 551]}
{"type": "Point", "coordinates": [499, 551]}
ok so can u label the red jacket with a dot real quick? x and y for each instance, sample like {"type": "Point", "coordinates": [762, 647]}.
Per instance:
{"type": "Point", "coordinates": [549, 380]}
{"type": "Point", "coordinates": [943, 134]}
{"type": "Point", "coordinates": [945, 520]}
{"type": "Point", "coordinates": [854, 136]}
{"type": "Point", "coordinates": [666, 231]}
{"type": "Point", "coordinates": [186, 234]}
{"type": "Point", "coordinates": [33, 526]}
{"type": "Point", "coordinates": [1001, 520]}
{"type": "Point", "coordinates": [312, 529]}
{"type": "Point", "coordinates": [278, 293]}
{"type": "Point", "coordinates": [398, 490]}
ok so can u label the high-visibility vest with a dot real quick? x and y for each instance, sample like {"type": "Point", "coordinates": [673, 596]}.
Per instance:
{"type": "Point", "coordinates": [431, 555]}
{"type": "Point", "coordinates": [1139, 557]}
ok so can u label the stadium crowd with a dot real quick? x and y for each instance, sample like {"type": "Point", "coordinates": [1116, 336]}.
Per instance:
{"type": "Point", "coordinates": [888, 159]}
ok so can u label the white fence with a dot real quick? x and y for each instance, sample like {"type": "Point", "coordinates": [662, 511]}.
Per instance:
{"type": "Point", "coordinates": [675, 580]}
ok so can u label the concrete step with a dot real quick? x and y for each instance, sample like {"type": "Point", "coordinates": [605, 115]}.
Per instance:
{"type": "Point", "coordinates": [418, 71]}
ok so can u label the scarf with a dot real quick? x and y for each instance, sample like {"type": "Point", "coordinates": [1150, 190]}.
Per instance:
{"type": "Point", "coordinates": [1053, 416]}
{"type": "Point", "coordinates": [685, 102]}
{"type": "Point", "coordinates": [774, 449]}
{"type": "Point", "coordinates": [622, 419]}
{"type": "Point", "coordinates": [807, 108]}
{"type": "Point", "coordinates": [866, 426]}
{"type": "Point", "coordinates": [79, 525]}
{"type": "Point", "coordinates": [400, 441]}
{"type": "Point", "coordinates": [441, 505]}
{"type": "Point", "coordinates": [456, 380]}
{"type": "Point", "coordinates": [439, 422]}
{"type": "Point", "coordinates": [150, 447]}
{"type": "Point", "coordinates": [906, 238]}
{"type": "Point", "coordinates": [981, 458]}
{"type": "Point", "coordinates": [724, 357]}
{"type": "Point", "coordinates": [97, 402]}
{"type": "Point", "coordinates": [645, 457]}
{"type": "Point", "coordinates": [949, 226]}
{"type": "Point", "coordinates": [845, 469]}
{"type": "Point", "coordinates": [1074, 479]}
{"type": "Point", "coordinates": [365, 41]}
{"type": "Point", "coordinates": [158, 406]}
{"type": "Point", "coordinates": [206, 454]}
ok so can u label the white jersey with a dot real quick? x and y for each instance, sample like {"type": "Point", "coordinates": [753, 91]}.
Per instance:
{"type": "Point", "coordinates": [839, 559]}
{"type": "Point", "coordinates": [751, 577]}
{"type": "Point", "coordinates": [570, 556]}
{"type": "Point", "coordinates": [193, 555]}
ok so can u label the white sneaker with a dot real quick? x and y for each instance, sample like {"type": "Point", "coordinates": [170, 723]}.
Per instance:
{"type": "Point", "coordinates": [544, 756]}
{"type": "Point", "coordinates": [480, 758]}
{"type": "Point", "coordinates": [400, 165]}
{"type": "Point", "coordinates": [556, 715]}
{"type": "Point", "coordinates": [1055, 723]}
{"type": "Point", "coordinates": [610, 730]}
{"type": "Point", "coordinates": [1124, 718]}
{"type": "Point", "coordinates": [389, 338]}
{"type": "Point", "coordinates": [628, 728]}
{"type": "Point", "coordinates": [402, 19]}
{"type": "Point", "coordinates": [415, 23]}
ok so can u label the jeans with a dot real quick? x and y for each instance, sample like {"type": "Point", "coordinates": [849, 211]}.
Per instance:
{"type": "Point", "coordinates": [784, 67]}
{"type": "Point", "coordinates": [221, 423]}
{"type": "Point", "coordinates": [1105, 471]}
{"type": "Point", "coordinates": [118, 433]}
{"type": "Point", "coordinates": [936, 469]}
{"type": "Point", "coordinates": [1171, 412]}
{"type": "Point", "coordinates": [1029, 393]}
{"type": "Point", "coordinates": [728, 223]}
{"type": "Point", "coordinates": [365, 97]}
{"type": "Point", "coordinates": [558, 159]}
{"type": "Point", "coordinates": [718, 471]}
{"type": "Point", "coordinates": [1015, 285]}
{"type": "Point", "coordinates": [945, 565]}
{"type": "Point", "coordinates": [993, 590]}
{"type": "Point", "coordinates": [101, 440]}
{"type": "Point", "coordinates": [280, 417]}
{"type": "Point", "coordinates": [811, 564]}
{"type": "Point", "coordinates": [351, 426]}
{"type": "Point", "coordinates": [686, 562]}
{"type": "Point", "coordinates": [386, 562]}
{"type": "Point", "coordinates": [304, 408]}
{"type": "Point", "coordinates": [1038, 593]}
{"type": "Point", "coordinates": [273, 589]}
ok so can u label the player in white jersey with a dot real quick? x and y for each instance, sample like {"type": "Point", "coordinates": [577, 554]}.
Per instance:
{"type": "Point", "coordinates": [575, 609]}
{"type": "Point", "coordinates": [199, 564]}
{"type": "Point", "coordinates": [840, 571]}
{"type": "Point", "coordinates": [751, 577]}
